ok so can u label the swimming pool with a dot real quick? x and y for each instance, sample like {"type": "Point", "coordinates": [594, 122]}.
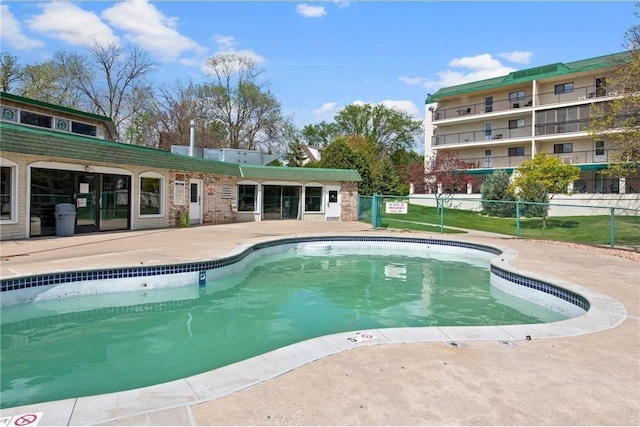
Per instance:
{"type": "Point", "coordinates": [210, 281]}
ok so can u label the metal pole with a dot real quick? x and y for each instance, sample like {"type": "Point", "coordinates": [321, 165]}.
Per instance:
{"type": "Point", "coordinates": [613, 243]}
{"type": "Point", "coordinates": [517, 219]}
{"type": "Point", "coordinates": [441, 203]}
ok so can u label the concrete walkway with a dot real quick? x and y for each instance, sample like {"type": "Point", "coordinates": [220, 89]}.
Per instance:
{"type": "Point", "coordinates": [582, 379]}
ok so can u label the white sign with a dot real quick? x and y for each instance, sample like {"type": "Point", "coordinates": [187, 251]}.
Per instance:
{"type": "Point", "coordinates": [30, 420]}
{"type": "Point", "coordinates": [179, 191]}
{"type": "Point", "coordinates": [359, 337]}
{"type": "Point", "coordinates": [396, 207]}
{"type": "Point", "coordinates": [81, 203]}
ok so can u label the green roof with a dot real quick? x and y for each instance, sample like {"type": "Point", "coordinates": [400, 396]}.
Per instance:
{"type": "Point", "coordinates": [298, 174]}
{"type": "Point", "coordinates": [536, 73]}
{"type": "Point", "coordinates": [108, 122]}
{"type": "Point", "coordinates": [17, 138]}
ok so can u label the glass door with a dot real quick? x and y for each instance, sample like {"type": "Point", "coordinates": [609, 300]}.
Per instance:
{"type": "Point", "coordinates": [290, 202]}
{"type": "Point", "coordinates": [85, 190]}
{"type": "Point", "coordinates": [272, 202]}
{"type": "Point", "coordinates": [114, 202]}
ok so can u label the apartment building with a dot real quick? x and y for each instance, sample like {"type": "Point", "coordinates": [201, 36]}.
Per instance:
{"type": "Point", "coordinates": [501, 122]}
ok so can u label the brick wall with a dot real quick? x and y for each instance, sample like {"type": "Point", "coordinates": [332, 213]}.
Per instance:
{"type": "Point", "coordinates": [349, 196]}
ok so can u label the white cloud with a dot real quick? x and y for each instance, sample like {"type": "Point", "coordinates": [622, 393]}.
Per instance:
{"type": "Point", "coordinates": [71, 24]}
{"type": "Point", "coordinates": [519, 56]}
{"type": "Point", "coordinates": [342, 3]}
{"type": "Point", "coordinates": [327, 109]}
{"type": "Point", "coordinates": [412, 81]}
{"type": "Point", "coordinates": [309, 11]}
{"type": "Point", "coordinates": [12, 34]}
{"type": "Point", "coordinates": [466, 69]}
{"type": "Point", "coordinates": [226, 45]}
{"type": "Point", "coordinates": [148, 28]}
{"type": "Point", "coordinates": [480, 62]}
{"type": "Point", "coordinates": [406, 106]}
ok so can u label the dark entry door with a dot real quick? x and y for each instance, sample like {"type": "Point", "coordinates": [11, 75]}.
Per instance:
{"type": "Point", "coordinates": [85, 195]}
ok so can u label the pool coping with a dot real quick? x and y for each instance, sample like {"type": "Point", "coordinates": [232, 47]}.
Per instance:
{"type": "Point", "coordinates": [604, 313]}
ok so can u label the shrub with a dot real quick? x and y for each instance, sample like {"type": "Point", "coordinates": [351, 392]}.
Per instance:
{"type": "Point", "coordinates": [497, 187]}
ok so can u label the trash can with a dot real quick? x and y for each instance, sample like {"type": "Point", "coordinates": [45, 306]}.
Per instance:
{"type": "Point", "coordinates": [65, 219]}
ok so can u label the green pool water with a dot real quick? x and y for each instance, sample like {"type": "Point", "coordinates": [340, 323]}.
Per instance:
{"type": "Point", "coordinates": [82, 346]}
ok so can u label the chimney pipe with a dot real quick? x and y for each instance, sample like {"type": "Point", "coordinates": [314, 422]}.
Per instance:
{"type": "Point", "coordinates": [192, 137]}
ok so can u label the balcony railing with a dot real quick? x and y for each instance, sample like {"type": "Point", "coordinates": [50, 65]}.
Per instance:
{"type": "Point", "coordinates": [575, 158]}
{"type": "Point", "coordinates": [481, 135]}
{"type": "Point", "coordinates": [546, 98]}
{"type": "Point", "coordinates": [510, 133]}
{"type": "Point", "coordinates": [562, 127]}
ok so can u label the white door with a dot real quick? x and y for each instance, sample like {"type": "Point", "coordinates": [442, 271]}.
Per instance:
{"type": "Point", "coordinates": [333, 201]}
{"type": "Point", "coordinates": [195, 201]}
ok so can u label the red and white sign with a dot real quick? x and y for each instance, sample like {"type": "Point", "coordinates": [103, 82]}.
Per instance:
{"type": "Point", "coordinates": [359, 337]}
{"type": "Point", "coordinates": [22, 420]}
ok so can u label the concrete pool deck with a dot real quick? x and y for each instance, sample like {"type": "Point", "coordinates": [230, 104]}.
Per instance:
{"type": "Point", "coordinates": [487, 377]}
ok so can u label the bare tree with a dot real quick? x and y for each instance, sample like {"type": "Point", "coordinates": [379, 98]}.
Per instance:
{"type": "Point", "coordinates": [10, 71]}
{"type": "Point", "coordinates": [243, 109]}
{"type": "Point", "coordinates": [116, 84]}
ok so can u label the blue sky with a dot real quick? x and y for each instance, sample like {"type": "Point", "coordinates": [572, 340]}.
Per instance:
{"type": "Point", "coordinates": [322, 55]}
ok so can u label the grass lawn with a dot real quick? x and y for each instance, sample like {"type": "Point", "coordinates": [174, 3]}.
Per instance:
{"type": "Point", "coordinates": [595, 230]}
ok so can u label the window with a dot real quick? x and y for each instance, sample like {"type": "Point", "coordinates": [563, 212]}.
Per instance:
{"type": "Point", "coordinates": [516, 151]}
{"type": "Point", "coordinates": [247, 198]}
{"type": "Point", "coordinates": [517, 96]}
{"type": "Point", "coordinates": [34, 119]}
{"type": "Point", "coordinates": [84, 129]}
{"type": "Point", "coordinates": [563, 88]}
{"type": "Point", "coordinates": [599, 148]}
{"type": "Point", "coordinates": [313, 199]}
{"type": "Point", "coordinates": [488, 104]}
{"type": "Point", "coordinates": [150, 195]}
{"type": "Point", "coordinates": [333, 196]}
{"type": "Point", "coordinates": [514, 124]}
{"type": "Point", "coordinates": [7, 193]}
{"type": "Point", "coordinates": [563, 148]}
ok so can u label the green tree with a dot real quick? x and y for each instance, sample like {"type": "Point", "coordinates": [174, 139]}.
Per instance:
{"type": "Point", "coordinates": [320, 134]}
{"type": "Point", "coordinates": [340, 155]}
{"type": "Point", "coordinates": [618, 120]}
{"type": "Point", "coordinates": [389, 128]}
{"type": "Point", "coordinates": [386, 180]}
{"type": "Point", "coordinates": [497, 188]}
{"type": "Point", "coordinates": [543, 177]}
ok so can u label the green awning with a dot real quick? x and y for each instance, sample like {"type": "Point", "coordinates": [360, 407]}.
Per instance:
{"type": "Point", "coordinates": [593, 166]}
{"type": "Point", "coordinates": [483, 171]}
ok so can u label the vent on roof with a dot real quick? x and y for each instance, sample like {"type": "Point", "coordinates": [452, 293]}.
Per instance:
{"type": "Point", "coordinates": [535, 71]}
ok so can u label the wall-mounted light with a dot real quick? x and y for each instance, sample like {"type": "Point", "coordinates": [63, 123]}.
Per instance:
{"type": "Point", "coordinates": [89, 169]}
{"type": "Point", "coordinates": [431, 109]}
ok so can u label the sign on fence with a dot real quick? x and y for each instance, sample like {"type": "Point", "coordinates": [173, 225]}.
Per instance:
{"type": "Point", "coordinates": [396, 207]}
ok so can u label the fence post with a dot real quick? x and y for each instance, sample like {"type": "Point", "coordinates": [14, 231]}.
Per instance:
{"type": "Point", "coordinates": [441, 203]}
{"type": "Point", "coordinates": [374, 211]}
{"type": "Point", "coordinates": [613, 227]}
{"type": "Point", "coordinates": [517, 219]}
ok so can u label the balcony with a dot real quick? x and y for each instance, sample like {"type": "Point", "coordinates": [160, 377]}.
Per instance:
{"type": "Point", "coordinates": [562, 127]}
{"type": "Point", "coordinates": [506, 104]}
{"type": "Point", "coordinates": [481, 136]}
{"type": "Point", "coordinates": [576, 158]}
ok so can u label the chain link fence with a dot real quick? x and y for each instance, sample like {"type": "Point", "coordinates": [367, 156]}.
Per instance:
{"type": "Point", "coordinates": [587, 224]}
